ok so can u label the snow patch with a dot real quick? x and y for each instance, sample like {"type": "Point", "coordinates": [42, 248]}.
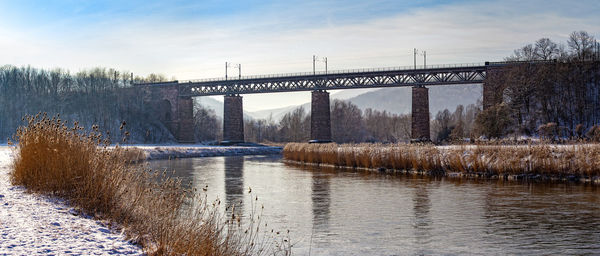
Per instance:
{"type": "Point", "coordinates": [168, 152]}
{"type": "Point", "coordinates": [32, 224]}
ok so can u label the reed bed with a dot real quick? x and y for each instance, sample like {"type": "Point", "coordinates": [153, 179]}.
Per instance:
{"type": "Point", "coordinates": [154, 210]}
{"type": "Point", "coordinates": [581, 160]}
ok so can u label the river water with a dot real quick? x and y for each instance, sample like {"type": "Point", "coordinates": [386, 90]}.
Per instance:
{"type": "Point", "coordinates": [347, 212]}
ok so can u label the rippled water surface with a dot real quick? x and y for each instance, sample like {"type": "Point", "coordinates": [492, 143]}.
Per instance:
{"type": "Point", "coordinates": [345, 212]}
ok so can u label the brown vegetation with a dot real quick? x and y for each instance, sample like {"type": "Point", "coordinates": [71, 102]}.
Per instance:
{"type": "Point", "coordinates": [551, 160]}
{"type": "Point", "coordinates": [154, 210]}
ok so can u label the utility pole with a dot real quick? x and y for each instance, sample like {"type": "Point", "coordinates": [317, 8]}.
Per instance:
{"type": "Point", "coordinates": [314, 60]}
{"type": "Point", "coordinates": [226, 65]}
{"type": "Point", "coordinates": [325, 65]}
{"type": "Point", "coordinates": [424, 59]}
{"type": "Point", "coordinates": [239, 66]}
{"type": "Point", "coordinates": [415, 57]}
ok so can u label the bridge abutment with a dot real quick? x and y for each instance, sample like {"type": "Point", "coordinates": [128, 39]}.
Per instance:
{"type": "Point", "coordinates": [420, 114]}
{"type": "Point", "coordinates": [320, 117]}
{"type": "Point", "coordinates": [488, 96]}
{"type": "Point", "coordinates": [233, 119]}
{"type": "Point", "coordinates": [173, 111]}
{"type": "Point", "coordinates": [492, 93]}
{"type": "Point", "coordinates": [185, 126]}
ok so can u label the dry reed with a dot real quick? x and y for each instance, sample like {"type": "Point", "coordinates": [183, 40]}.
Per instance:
{"type": "Point", "coordinates": [552, 160]}
{"type": "Point", "coordinates": [154, 210]}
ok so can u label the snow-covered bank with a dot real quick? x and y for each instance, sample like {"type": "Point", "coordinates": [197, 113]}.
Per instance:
{"type": "Point", "coordinates": [177, 151]}
{"type": "Point", "coordinates": [32, 224]}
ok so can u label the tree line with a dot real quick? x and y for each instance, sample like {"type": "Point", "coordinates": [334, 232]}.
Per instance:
{"type": "Point", "coordinates": [98, 96]}
{"type": "Point", "coordinates": [560, 98]}
{"type": "Point", "coordinates": [349, 124]}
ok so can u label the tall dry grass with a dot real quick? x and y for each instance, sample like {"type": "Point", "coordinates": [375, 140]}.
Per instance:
{"type": "Point", "coordinates": [581, 160]}
{"type": "Point", "coordinates": [154, 210]}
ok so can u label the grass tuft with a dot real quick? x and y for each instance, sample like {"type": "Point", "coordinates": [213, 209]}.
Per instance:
{"type": "Point", "coordinates": [154, 210]}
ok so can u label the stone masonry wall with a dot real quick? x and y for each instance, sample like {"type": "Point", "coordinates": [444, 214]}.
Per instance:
{"type": "Point", "coordinates": [420, 113]}
{"type": "Point", "coordinates": [320, 117]}
{"type": "Point", "coordinates": [233, 119]}
{"type": "Point", "coordinates": [185, 132]}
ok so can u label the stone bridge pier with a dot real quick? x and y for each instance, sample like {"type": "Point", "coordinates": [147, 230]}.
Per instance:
{"type": "Point", "coordinates": [420, 114]}
{"type": "Point", "coordinates": [174, 111]}
{"type": "Point", "coordinates": [233, 119]}
{"type": "Point", "coordinates": [320, 117]}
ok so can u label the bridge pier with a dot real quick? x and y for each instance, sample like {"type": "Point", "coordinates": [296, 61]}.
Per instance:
{"type": "Point", "coordinates": [320, 117]}
{"type": "Point", "coordinates": [420, 114]}
{"type": "Point", "coordinates": [185, 127]}
{"type": "Point", "coordinates": [233, 119]}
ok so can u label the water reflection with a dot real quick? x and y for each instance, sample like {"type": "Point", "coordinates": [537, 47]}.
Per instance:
{"type": "Point", "coordinates": [423, 223]}
{"type": "Point", "coordinates": [351, 212]}
{"type": "Point", "coordinates": [321, 200]}
{"type": "Point", "coordinates": [531, 215]}
{"type": "Point", "coordinates": [233, 167]}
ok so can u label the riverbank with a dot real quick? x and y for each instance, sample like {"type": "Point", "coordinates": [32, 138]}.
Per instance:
{"type": "Point", "coordinates": [33, 224]}
{"type": "Point", "coordinates": [157, 152]}
{"type": "Point", "coordinates": [152, 208]}
{"type": "Point", "coordinates": [523, 162]}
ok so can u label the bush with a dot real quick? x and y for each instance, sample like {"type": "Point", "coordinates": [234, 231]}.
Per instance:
{"type": "Point", "coordinates": [494, 121]}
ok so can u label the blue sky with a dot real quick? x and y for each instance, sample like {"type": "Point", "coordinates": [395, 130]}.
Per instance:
{"type": "Point", "coordinates": [193, 39]}
{"type": "Point", "coordinates": [89, 12]}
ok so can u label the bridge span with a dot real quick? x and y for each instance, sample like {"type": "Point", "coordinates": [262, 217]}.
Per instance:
{"type": "Point", "coordinates": [173, 100]}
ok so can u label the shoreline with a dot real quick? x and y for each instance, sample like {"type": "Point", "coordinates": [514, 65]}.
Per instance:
{"type": "Point", "coordinates": [459, 175]}
{"type": "Point", "coordinates": [553, 163]}
{"type": "Point", "coordinates": [157, 152]}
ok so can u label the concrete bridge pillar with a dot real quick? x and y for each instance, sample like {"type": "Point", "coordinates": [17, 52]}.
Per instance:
{"type": "Point", "coordinates": [233, 119]}
{"type": "Point", "coordinates": [185, 109]}
{"type": "Point", "coordinates": [320, 117]}
{"type": "Point", "coordinates": [420, 113]}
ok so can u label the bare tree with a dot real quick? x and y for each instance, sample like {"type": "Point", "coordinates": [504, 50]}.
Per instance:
{"type": "Point", "coordinates": [545, 49]}
{"type": "Point", "coordinates": [581, 43]}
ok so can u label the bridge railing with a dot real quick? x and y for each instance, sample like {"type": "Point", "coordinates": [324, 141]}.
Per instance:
{"type": "Point", "coordinates": [335, 72]}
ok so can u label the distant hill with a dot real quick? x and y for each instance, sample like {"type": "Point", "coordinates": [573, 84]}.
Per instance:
{"type": "Point", "coordinates": [216, 105]}
{"type": "Point", "coordinates": [399, 100]}
{"type": "Point", "coordinates": [394, 100]}
{"type": "Point", "coordinates": [278, 113]}
{"type": "Point", "coordinates": [211, 103]}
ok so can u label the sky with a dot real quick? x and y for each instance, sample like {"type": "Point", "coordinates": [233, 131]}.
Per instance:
{"type": "Point", "coordinates": [193, 39]}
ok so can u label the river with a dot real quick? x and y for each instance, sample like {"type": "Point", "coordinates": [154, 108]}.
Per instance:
{"type": "Point", "coordinates": [347, 212]}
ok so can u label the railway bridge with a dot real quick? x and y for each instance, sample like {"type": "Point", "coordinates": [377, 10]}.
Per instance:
{"type": "Point", "coordinates": [175, 105]}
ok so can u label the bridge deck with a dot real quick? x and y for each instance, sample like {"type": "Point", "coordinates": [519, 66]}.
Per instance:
{"type": "Point", "coordinates": [339, 79]}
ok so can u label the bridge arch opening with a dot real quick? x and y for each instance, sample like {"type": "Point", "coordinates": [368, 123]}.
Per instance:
{"type": "Point", "coordinates": [164, 108]}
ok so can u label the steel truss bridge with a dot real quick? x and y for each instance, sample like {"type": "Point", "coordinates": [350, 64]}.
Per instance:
{"type": "Point", "coordinates": [341, 79]}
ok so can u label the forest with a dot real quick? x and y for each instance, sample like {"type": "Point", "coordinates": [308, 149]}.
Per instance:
{"type": "Point", "coordinates": [93, 97]}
